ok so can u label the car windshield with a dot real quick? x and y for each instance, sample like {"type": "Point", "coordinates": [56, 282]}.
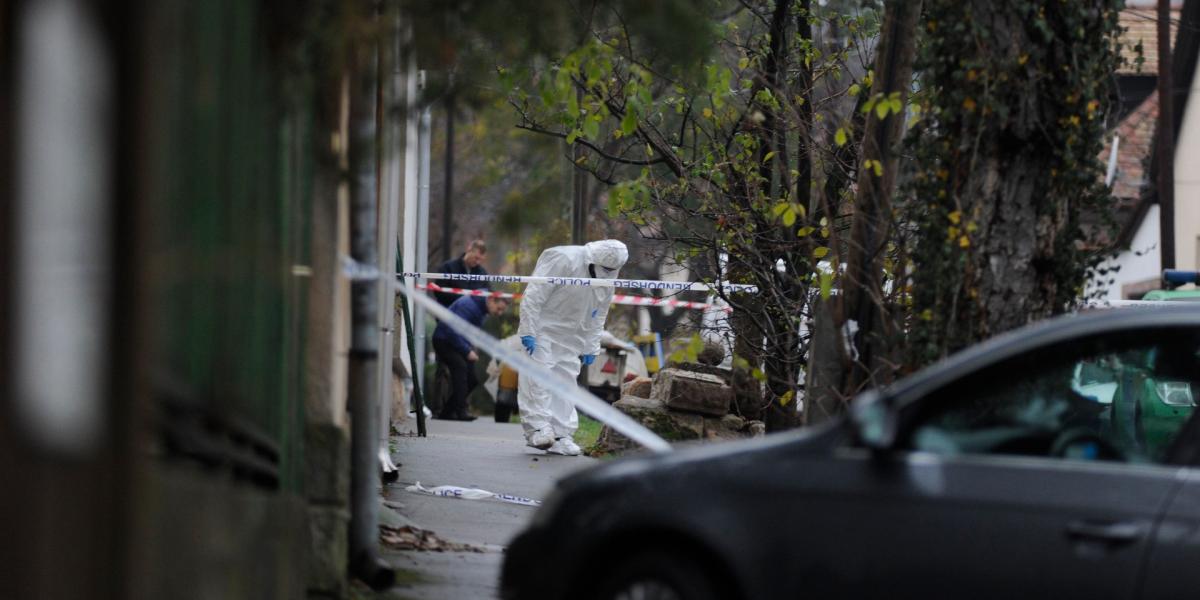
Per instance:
{"type": "Point", "coordinates": [1126, 405]}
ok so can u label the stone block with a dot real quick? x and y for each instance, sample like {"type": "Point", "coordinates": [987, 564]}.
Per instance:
{"type": "Point", "coordinates": [329, 549]}
{"type": "Point", "coordinates": [654, 415]}
{"type": "Point", "coordinates": [688, 391]}
{"type": "Point", "coordinates": [639, 387]}
{"type": "Point", "coordinates": [327, 463]}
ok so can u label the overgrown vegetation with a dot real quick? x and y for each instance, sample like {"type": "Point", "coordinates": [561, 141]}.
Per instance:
{"type": "Point", "coordinates": [780, 159]}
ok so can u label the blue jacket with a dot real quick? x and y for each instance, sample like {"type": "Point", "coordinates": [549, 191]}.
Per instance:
{"type": "Point", "coordinates": [473, 309]}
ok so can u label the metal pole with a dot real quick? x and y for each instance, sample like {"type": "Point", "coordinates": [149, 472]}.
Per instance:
{"type": "Point", "coordinates": [579, 193]}
{"type": "Point", "coordinates": [418, 401]}
{"type": "Point", "coordinates": [1165, 182]}
{"type": "Point", "coordinates": [448, 204]}
{"type": "Point", "coordinates": [423, 137]}
{"type": "Point", "coordinates": [363, 392]}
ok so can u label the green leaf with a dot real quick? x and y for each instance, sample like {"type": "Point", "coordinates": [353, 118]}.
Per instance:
{"type": "Point", "coordinates": [768, 157]}
{"type": "Point", "coordinates": [855, 89]}
{"type": "Point", "coordinates": [820, 251]}
{"type": "Point", "coordinates": [881, 109]}
{"type": "Point", "coordinates": [572, 106]}
{"type": "Point", "coordinates": [840, 137]}
{"type": "Point", "coordinates": [787, 397]}
{"type": "Point", "coordinates": [574, 135]}
{"type": "Point", "coordinates": [628, 123]}
{"type": "Point", "coordinates": [826, 280]}
{"type": "Point", "coordinates": [789, 217]}
{"type": "Point", "coordinates": [591, 128]}
{"type": "Point", "coordinates": [779, 208]}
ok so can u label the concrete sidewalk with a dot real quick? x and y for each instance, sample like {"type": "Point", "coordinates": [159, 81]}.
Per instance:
{"type": "Point", "coordinates": [481, 454]}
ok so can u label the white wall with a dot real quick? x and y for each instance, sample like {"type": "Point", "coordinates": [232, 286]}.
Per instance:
{"type": "Point", "coordinates": [1139, 263]}
{"type": "Point", "coordinates": [1187, 182]}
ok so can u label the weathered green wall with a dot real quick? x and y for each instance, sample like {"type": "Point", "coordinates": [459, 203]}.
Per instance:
{"type": "Point", "coordinates": [231, 176]}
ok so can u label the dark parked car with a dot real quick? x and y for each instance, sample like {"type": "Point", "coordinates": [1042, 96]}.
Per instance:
{"type": "Point", "coordinates": [1007, 471]}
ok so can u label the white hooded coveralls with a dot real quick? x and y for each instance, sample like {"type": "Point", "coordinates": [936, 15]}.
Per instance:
{"type": "Point", "coordinates": [565, 321]}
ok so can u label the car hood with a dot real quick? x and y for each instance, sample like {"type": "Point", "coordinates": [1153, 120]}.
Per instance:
{"type": "Point", "coordinates": [820, 439]}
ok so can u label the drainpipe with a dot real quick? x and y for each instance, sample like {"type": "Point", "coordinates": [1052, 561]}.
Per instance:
{"type": "Point", "coordinates": [363, 391]}
{"type": "Point", "coordinates": [423, 142]}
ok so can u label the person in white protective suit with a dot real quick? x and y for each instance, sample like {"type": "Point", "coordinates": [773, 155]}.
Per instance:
{"type": "Point", "coordinates": [560, 328]}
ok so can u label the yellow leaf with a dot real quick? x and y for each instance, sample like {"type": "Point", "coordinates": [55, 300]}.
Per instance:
{"type": "Point", "coordinates": [969, 104]}
{"type": "Point", "coordinates": [840, 137]}
{"type": "Point", "coordinates": [964, 242]}
{"type": "Point", "coordinates": [1022, 59]}
{"type": "Point", "coordinates": [708, 113]}
{"type": "Point", "coordinates": [955, 216]}
{"type": "Point", "coordinates": [789, 217]}
{"type": "Point", "coordinates": [786, 399]}
{"type": "Point", "coordinates": [820, 251]}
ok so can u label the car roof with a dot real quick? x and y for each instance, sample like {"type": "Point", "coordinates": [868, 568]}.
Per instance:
{"type": "Point", "coordinates": [1167, 316]}
{"type": "Point", "coordinates": [1172, 295]}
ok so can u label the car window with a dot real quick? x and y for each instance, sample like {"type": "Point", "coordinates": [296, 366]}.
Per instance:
{"type": "Point", "coordinates": [1126, 405]}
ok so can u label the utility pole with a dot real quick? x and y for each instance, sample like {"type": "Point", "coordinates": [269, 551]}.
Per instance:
{"type": "Point", "coordinates": [1165, 182]}
{"type": "Point", "coordinates": [448, 211]}
{"type": "Point", "coordinates": [579, 203]}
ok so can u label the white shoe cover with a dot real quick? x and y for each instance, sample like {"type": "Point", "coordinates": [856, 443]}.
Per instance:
{"type": "Point", "coordinates": [540, 439]}
{"type": "Point", "coordinates": [565, 447]}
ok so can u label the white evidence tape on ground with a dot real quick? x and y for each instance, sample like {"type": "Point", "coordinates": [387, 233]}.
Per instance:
{"type": "Point", "coordinates": [464, 493]}
{"type": "Point", "coordinates": [638, 284]}
{"type": "Point", "coordinates": [526, 367]}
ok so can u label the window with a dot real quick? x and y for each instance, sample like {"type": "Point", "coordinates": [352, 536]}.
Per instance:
{"type": "Point", "coordinates": [1126, 405]}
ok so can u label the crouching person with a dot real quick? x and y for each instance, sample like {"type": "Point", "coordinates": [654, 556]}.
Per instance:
{"type": "Point", "coordinates": [454, 351]}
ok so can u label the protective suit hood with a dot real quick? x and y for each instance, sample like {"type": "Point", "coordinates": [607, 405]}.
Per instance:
{"type": "Point", "coordinates": [610, 254]}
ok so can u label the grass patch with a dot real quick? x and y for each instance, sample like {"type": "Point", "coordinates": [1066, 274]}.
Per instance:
{"type": "Point", "coordinates": [588, 432]}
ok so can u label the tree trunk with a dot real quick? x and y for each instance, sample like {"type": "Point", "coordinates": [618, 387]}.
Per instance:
{"type": "Point", "coordinates": [862, 312]}
{"type": "Point", "coordinates": [1006, 166]}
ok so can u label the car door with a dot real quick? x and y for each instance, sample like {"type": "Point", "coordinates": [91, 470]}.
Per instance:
{"type": "Point", "coordinates": [1013, 481]}
{"type": "Point", "coordinates": [1171, 569]}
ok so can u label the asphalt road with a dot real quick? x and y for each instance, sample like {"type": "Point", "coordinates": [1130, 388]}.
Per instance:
{"type": "Point", "coordinates": [481, 454]}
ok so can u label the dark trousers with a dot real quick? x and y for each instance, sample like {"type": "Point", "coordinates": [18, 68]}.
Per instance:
{"type": "Point", "coordinates": [462, 378]}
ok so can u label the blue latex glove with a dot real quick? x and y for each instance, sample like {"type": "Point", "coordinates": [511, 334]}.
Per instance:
{"type": "Point", "coordinates": [587, 359]}
{"type": "Point", "coordinates": [529, 343]}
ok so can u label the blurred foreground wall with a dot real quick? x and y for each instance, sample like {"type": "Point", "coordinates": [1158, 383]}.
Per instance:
{"type": "Point", "coordinates": [172, 321]}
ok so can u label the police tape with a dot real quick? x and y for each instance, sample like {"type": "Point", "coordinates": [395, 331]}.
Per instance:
{"type": "Point", "coordinates": [617, 298]}
{"type": "Point", "coordinates": [637, 284]}
{"type": "Point", "coordinates": [562, 387]}
{"type": "Point", "coordinates": [356, 271]}
{"type": "Point", "coordinates": [463, 493]}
